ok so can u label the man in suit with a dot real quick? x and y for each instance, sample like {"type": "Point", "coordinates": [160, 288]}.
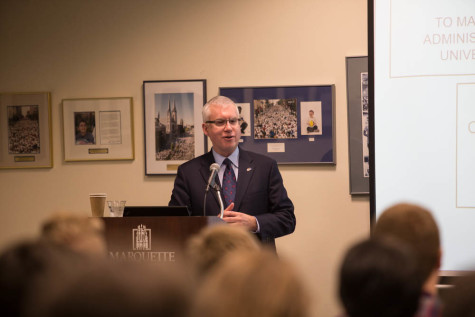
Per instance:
{"type": "Point", "coordinates": [260, 201]}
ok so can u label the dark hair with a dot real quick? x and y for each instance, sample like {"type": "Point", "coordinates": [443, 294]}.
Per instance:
{"type": "Point", "coordinates": [106, 288]}
{"type": "Point", "coordinates": [378, 277]}
{"type": "Point", "coordinates": [23, 265]}
{"type": "Point", "coordinates": [122, 290]}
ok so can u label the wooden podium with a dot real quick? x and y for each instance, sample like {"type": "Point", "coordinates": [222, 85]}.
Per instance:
{"type": "Point", "coordinates": [152, 239]}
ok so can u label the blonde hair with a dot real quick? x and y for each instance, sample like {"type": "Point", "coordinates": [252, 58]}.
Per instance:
{"type": "Point", "coordinates": [248, 284]}
{"type": "Point", "coordinates": [210, 245]}
{"type": "Point", "coordinates": [75, 231]}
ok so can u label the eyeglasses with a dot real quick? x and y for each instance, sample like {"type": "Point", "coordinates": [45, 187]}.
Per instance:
{"type": "Point", "coordinates": [222, 122]}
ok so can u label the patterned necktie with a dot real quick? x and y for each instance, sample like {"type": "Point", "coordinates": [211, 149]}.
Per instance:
{"type": "Point", "coordinates": [229, 183]}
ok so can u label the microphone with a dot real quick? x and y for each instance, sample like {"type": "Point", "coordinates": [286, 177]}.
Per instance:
{"type": "Point", "coordinates": [214, 168]}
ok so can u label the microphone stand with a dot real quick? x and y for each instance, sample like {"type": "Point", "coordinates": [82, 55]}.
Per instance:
{"type": "Point", "coordinates": [204, 202]}
{"type": "Point", "coordinates": [217, 188]}
{"type": "Point", "coordinates": [221, 205]}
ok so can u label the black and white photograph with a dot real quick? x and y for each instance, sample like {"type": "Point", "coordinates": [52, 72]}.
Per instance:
{"type": "Point", "coordinates": [85, 125]}
{"type": "Point", "coordinates": [245, 116]}
{"type": "Point", "coordinates": [365, 122]}
{"type": "Point", "coordinates": [358, 125]}
{"type": "Point", "coordinates": [364, 92]}
{"type": "Point", "coordinates": [275, 118]}
{"type": "Point", "coordinates": [23, 130]}
{"type": "Point", "coordinates": [174, 126]}
{"type": "Point", "coordinates": [311, 118]}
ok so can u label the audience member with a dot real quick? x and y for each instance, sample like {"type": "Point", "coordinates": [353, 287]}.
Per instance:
{"type": "Point", "coordinates": [252, 284]}
{"type": "Point", "coordinates": [378, 277]}
{"type": "Point", "coordinates": [77, 232]}
{"type": "Point", "coordinates": [210, 245]}
{"type": "Point", "coordinates": [459, 300]}
{"type": "Point", "coordinates": [24, 264]}
{"type": "Point", "coordinates": [116, 289]}
{"type": "Point", "coordinates": [416, 227]}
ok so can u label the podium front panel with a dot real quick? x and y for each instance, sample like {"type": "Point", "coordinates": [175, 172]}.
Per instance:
{"type": "Point", "coordinates": [152, 239]}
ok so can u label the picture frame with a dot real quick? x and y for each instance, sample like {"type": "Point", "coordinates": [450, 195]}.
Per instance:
{"type": "Point", "coordinates": [358, 125]}
{"type": "Point", "coordinates": [172, 123]}
{"type": "Point", "coordinates": [25, 130]}
{"type": "Point", "coordinates": [98, 129]}
{"type": "Point", "coordinates": [280, 124]}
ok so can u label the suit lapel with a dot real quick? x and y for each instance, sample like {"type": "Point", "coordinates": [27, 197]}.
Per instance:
{"type": "Point", "coordinates": [245, 172]}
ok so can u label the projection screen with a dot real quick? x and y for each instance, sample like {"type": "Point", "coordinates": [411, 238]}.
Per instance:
{"type": "Point", "coordinates": [422, 115]}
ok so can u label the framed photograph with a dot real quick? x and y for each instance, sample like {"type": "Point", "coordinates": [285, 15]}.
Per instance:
{"type": "Point", "coordinates": [358, 126]}
{"type": "Point", "coordinates": [292, 124]}
{"type": "Point", "coordinates": [25, 130]}
{"type": "Point", "coordinates": [98, 129]}
{"type": "Point", "coordinates": [172, 115]}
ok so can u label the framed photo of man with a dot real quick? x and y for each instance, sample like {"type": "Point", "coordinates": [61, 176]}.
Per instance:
{"type": "Point", "coordinates": [25, 130]}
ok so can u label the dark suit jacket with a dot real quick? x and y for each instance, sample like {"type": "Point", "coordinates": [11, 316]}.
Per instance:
{"type": "Point", "coordinates": [260, 193]}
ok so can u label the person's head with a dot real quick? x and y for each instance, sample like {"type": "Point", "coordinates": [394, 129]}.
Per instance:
{"type": "Point", "coordinates": [115, 289]}
{"type": "Point", "coordinates": [212, 244]}
{"type": "Point", "coordinates": [252, 284]}
{"type": "Point", "coordinates": [459, 299]}
{"type": "Point", "coordinates": [82, 127]}
{"type": "Point", "coordinates": [75, 231]}
{"type": "Point", "coordinates": [311, 113]}
{"type": "Point", "coordinates": [225, 131]}
{"type": "Point", "coordinates": [23, 265]}
{"type": "Point", "coordinates": [415, 226]}
{"type": "Point", "coordinates": [378, 277]}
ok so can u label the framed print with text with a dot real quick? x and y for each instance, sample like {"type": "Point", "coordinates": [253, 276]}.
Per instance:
{"type": "Point", "coordinates": [98, 129]}
{"type": "Point", "coordinates": [172, 116]}
{"type": "Point", "coordinates": [291, 124]}
{"type": "Point", "coordinates": [358, 125]}
{"type": "Point", "coordinates": [25, 130]}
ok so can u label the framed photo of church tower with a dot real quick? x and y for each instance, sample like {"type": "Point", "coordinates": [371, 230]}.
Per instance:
{"type": "Point", "coordinates": [172, 122]}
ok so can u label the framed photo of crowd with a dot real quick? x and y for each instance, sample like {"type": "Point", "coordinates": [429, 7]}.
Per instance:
{"type": "Point", "coordinates": [358, 123]}
{"type": "Point", "coordinates": [172, 116]}
{"type": "Point", "coordinates": [25, 130]}
{"type": "Point", "coordinates": [292, 124]}
{"type": "Point", "coordinates": [98, 129]}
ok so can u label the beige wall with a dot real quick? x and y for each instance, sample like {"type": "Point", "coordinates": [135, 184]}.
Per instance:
{"type": "Point", "coordinates": [106, 48]}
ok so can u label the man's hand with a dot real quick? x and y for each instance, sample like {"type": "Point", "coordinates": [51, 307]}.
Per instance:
{"type": "Point", "coordinates": [235, 218]}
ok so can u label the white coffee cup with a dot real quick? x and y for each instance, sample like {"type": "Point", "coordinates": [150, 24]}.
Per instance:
{"type": "Point", "coordinates": [98, 201]}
